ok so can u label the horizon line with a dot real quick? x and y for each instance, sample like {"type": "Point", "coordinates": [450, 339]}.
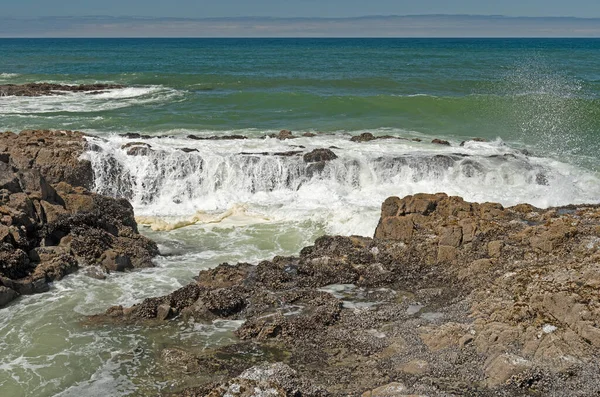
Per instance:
{"type": "Point", "coordinates": [366, 16]}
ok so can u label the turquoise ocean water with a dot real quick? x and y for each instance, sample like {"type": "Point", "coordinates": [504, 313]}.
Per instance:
{"type": "Point", "coordinates": [536, 102]}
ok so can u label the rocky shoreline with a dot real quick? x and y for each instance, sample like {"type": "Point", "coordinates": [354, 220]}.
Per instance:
{"type": "Point", "coordinates": [449, 298]}
{"type": "Point", "coordinates": [51, 224]}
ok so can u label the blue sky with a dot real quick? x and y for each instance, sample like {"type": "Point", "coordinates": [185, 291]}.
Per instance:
{"type": "Point", "coordinates": [297, 8]}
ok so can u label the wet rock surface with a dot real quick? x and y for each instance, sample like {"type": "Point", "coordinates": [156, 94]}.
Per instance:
{"type": "Point", "coordinates": [46, 89]}
{"type": "Point", "coordinates": [49, 227]}
{"type": "Point", "coordinates": [449, 298]}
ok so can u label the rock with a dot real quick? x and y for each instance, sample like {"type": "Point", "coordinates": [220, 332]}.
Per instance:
{"type": "Point", "coordinates": [394, 389]}
{"type": "Point", "coordinates": [8, 179]}
{"type": "Point", "coordinates": [55, 154]}
{"type": "Point", "coordinates": [440, 142]}
{"type": "Point", "coordinates": [500, 369]}
{"type": "Point", "coordinates": [45, 89]}
{"type": "Point", "coordinates": [217, 137]}
{"type": "Point", "coordinates": [135, 135]}
{"type": "Point", "coordinates": [7, 295]}
{"type": "Point", "coordinates": [283, 134]}
{"type": "Point", "coordinates": [48, 230]}
{"type": "Point", "coordinates": [139, 151]}
{"type": "Point", "coordinates": [473, 140]}
{"type": "Point", "coordinates": [364, 137]}
{"type": "Point", "coordinates": [452, 297]}
{"type": "Point", "coordinates": [309, 135]}
{"type": "Point", "coordinates": [319, 155]}
{"type": "Point", "coordinates": [188, 150]}
{"type": "Point", "coordinates": [247, 388]}
{"type": "Point", "coordinates": [416, 367]}
{"type": "Point", "coordinates": [114, 261]}
{"type": "Point", "coordinates": [131, 144]}
{"type": "Point", "coordinates": [163, 312]}
{"type": "Point", "coordinates": [95, 272]}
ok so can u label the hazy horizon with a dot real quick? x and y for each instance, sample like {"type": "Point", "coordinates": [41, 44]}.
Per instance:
{"type": "Point", "coordinates": [401, 26]}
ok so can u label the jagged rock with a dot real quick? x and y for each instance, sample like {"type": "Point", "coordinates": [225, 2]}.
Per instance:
{"type": "Point", "coordinates": [56, 154]}
{"type": "Point", "coordinates": [452, 297]}
{"type": "Point", "coordinates": [48, 230]}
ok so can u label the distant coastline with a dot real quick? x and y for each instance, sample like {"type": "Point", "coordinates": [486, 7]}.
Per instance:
{"type": "Point", "coordinates": [407, 26]}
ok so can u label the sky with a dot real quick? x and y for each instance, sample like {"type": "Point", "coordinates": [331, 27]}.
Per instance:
{"type": "Point", "coordinates": [300, 18]}
{"type": "Point", "coordinates": [297, 8]}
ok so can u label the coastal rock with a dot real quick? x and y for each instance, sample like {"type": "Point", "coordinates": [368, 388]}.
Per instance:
{"type": "Point", "coordinates": [319, 155]}
{"type": "Point", "coordinates": [473, 140]}
{"type": "Point", "coordinates": [7, 295]}
{"type": "Point", "coordinates": [55, 154]}
{"type": "Point", "coordinates": [364, 137]}
{"type": "Point", "coordinates": [283, 135]}
{"type": "Point", "coordinates": [449, 297]}
{"type": "Point", "coordinates": [217, 137]}
{"type": "Point", "coordinates": [48, 230]}
{"type": "Point", "coordinates": [45, 89]}
{"type": "Point", "coordinates": [440, 142]}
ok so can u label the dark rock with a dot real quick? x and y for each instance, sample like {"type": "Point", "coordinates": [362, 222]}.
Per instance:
{"type": "Point", "coordinates": [288, 154]}
{"type": "Point", "coordinates": [440, 142]}
{"type": "Point", "coordinates": [139, 151]}
{"type": "Point", "coordinates": [474, 140]}
{"type": "Point", "coordinates": [44, 89]}
{"type": "Point", "coordinates": [364, 137]}
{"type": "Point", "coordinates": [135, 135]}
{"type": "Point", "coordinates": [50, 230]}
{"type": "Point", "coordinates": [319, 155]}
{"type": "Point", "coordinates": [8, 179]}
{"type": "Point", "coordinates": [315, 169]}
{"type": "Point", "coordinates": [188, 150]}
{"type": "Point", "coordinates": [283, 134]}
{"type": "Point", "coordinates": [217, 137]}
{"type": "Point", "coordinates": [130, 144]}
{"type": "Point", "coordinates": [7, 295]}
{"type": "Point", "coordinates": [114, 261]}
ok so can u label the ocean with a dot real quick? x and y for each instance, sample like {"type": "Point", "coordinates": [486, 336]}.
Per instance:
{"type": "Point", "coordinates": [535, 104]}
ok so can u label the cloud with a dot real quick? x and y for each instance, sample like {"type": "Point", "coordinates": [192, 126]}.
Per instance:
{"type": "Point", "coordinates": [372, 26]}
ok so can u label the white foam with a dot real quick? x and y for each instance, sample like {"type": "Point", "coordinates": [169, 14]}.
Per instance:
{"type": "Point", "coordinates": [82, 102]}
{"type": "Point", "coordinates": [169, 186]}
